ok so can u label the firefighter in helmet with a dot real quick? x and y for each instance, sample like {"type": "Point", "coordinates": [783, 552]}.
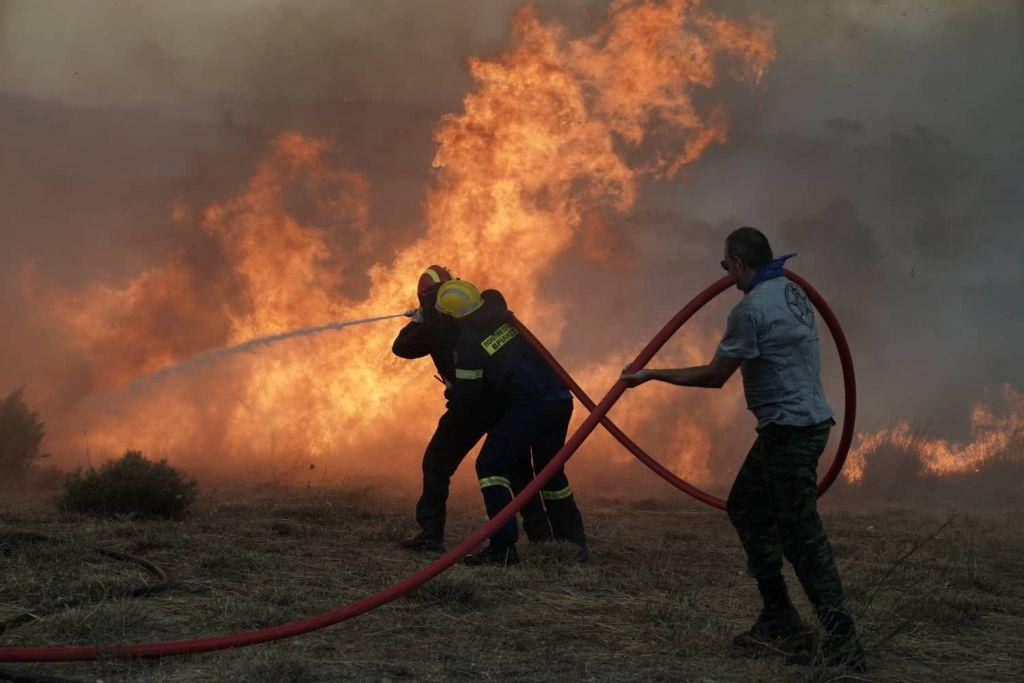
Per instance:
{"type": "Point", "coordinates": [493, 360]}
{"type": "Point", "coordinates": [431, 334]}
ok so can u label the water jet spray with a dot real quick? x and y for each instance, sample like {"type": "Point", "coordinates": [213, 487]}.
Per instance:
{"type": "Point", "coordinates": [214, 355]}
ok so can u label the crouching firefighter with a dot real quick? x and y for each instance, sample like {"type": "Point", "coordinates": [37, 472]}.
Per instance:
{"type": "Point", "coordinates": [457, 432]}
{"type": "Point", "coordinates": [493, 360]}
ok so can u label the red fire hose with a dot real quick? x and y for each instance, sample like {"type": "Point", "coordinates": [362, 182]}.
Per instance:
{"type": "Point", "coordinates": [849, 404]}
{"type": "Point", "coordinates": [597, 415]}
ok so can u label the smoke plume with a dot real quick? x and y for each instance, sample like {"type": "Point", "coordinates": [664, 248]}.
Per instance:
{"type": "Point", "coordinates": [179, 179]}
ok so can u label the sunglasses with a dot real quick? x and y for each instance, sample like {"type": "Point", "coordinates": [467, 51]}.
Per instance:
{"type": "Point", "coordinates": [725, 265]}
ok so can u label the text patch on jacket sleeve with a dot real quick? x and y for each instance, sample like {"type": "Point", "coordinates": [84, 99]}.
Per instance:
{"type": "Point", "coordinates": [501, 336]}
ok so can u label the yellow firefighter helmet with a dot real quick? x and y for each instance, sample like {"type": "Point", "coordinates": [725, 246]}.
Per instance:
{"type": "Point", "coordinates": [458, 298]}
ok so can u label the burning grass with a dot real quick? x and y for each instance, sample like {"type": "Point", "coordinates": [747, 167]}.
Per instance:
{"type": "Point", "coordinates": [937, 596]}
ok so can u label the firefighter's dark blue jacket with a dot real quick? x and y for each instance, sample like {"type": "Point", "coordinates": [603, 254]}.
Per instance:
{"type": "Point", "coordinates": [435, 336]}
{"type": "Point", "coordinates": [493, 358]}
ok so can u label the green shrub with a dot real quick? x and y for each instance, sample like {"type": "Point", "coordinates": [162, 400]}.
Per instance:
{"type": "Point", "coordinates": [21, 434]}
{"type": "Point", "coordinates": [130, 485]}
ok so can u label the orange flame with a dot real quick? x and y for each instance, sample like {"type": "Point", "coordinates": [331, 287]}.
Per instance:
{"type": "Point", "coordinates": [538, 149]}
{"type": "Point", "coordinates": [993, 436]}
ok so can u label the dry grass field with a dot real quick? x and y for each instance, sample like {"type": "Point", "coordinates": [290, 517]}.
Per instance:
{"type": "Point", "coordinates": [939, 596]}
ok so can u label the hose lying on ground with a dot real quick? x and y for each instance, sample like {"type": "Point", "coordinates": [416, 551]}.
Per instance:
{"type": "Point", "coordinates": [163, 583]}
{"type": "Point", "coordinates": [475, 539]}
{"type": "Point", "coordinates": [163, 580]}
{"type": "Point", "coordinates": [20, 677]}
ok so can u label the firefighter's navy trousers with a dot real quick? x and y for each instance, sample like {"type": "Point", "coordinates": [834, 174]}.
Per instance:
{"type": "Point", "coordinates": [456, 434]}
{"type": "Point", "coordinates": [528, 428]}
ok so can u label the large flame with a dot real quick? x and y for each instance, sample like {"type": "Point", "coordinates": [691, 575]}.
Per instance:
{"type": "Point", "coordinates": [557, 132]}
{"type": "Point", "coordinates": [993, 436]}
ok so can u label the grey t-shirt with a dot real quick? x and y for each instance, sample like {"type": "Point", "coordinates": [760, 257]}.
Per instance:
{"type": "Point", "coordinates": [773, 330]}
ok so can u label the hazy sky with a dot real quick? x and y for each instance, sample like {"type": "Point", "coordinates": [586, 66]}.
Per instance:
{"type": "Point", "coordinates": [951, 64]}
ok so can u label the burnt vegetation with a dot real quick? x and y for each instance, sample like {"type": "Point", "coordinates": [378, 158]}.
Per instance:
{"type": "Point", "coordinates": [937, 596]}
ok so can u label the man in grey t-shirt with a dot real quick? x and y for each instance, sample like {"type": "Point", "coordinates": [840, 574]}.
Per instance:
{"type": "Point", "coordinates": [773, 338]}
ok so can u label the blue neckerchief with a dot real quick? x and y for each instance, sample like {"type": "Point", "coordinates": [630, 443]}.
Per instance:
{"type": "Point", "coordinates": [769, 271]}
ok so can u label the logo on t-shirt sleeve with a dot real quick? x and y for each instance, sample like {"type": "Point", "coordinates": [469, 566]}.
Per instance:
{"type": "Point", "coordinates": [798, 304]}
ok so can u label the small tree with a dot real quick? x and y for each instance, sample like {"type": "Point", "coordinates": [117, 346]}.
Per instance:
{"type": "Point", "coordinates": [21, 435]}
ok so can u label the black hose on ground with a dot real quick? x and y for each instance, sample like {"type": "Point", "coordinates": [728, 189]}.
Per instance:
{"type": "Point", "coordinates": [18, 677]}
{"type": "Point", "coordinates": [133, 592]}
{"type": "Point", "coordinates": [164, 582]}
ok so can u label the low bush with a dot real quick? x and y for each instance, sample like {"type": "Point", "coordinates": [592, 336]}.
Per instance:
{"type": "Point", "coordinates": [130, 485]}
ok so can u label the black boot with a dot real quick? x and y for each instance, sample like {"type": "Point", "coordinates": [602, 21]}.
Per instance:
{"type": "Point", "coordinates": [425, 542]}
{"type": "Point", "coordinates": [779, 626]}
{"type": "Point", "coordinates": [536, 525]}
{"type": "Point", "coordinates": [535, 517]}
{"type": "Point", "coordinates": [839, 648]}
{"type": "Point", "coordinates": [567, 525]}
{"type": "Point", "coordinates": [582, 549]}
{"type": "Point", "coordinates": [494, 555]}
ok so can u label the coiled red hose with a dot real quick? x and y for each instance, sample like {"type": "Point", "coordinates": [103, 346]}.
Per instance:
{"type": "Point", "coordinates": [716, 288]}
{"type": "Point", "coordinates": [418, 578]}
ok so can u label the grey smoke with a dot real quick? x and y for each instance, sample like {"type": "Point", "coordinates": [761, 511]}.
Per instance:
{"type": "Point", "coordinates": [886, 146]}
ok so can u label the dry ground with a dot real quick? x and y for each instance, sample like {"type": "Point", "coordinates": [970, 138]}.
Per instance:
{"type": "Point", "coordinates": [937, 597]}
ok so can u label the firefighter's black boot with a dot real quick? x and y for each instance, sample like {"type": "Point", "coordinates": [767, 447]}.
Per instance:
{"type": "Point", "coordinates": [425, 542]}
{"type": "Point", "coordinates": [567, 525]}
{"type": "Point", "coordinates": [494, 555]}
{"type": "Point", "coordinates": [535, 517]}
{"type": "Point", "coordinates": [536, 524]}
{"type": "Point", "coordinates": [840, 646]}
{"type": "Point", "coordinates": [779, 626]}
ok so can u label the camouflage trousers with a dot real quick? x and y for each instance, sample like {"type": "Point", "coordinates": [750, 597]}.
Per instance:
{"type": "Point", "coordinates": [773, 506]}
